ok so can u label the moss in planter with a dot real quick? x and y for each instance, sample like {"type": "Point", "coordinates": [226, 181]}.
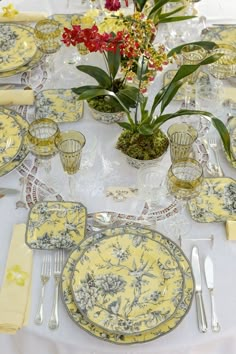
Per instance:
{"type": "Point", "coordinates": [105, 104]}
{"type": "Point", "coordinates": [142, 147]}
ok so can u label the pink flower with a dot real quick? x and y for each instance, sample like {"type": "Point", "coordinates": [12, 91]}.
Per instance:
{"type": "Point", "coordinates": [112, 5]}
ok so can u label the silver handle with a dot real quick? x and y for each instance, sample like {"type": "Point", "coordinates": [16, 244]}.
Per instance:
{"type": "Point", "coordinates": [39, 314]}
{"type": "Point", "coordinates": [215, 326]}
{"type": "Point", "coordinates": [54, 320]}
{"type": "Point", "coordinates": [201, 315]}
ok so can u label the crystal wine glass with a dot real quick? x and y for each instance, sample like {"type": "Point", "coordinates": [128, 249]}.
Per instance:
{"type": "Point", "coordinates": [70, 145]}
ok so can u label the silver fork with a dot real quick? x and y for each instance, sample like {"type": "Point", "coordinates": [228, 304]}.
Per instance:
{"type": "Point", "coordinates": [44, 276]}
{"type": "Point", "coordinates": [58, 265]}
{"type": "Point", "coordinates": [213, 146]}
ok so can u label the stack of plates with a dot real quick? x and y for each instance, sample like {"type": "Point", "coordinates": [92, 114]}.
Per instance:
{"type": "Point", "coordinates": [127, 285]}
{"type": "Point", "coordinates": [13, 148]}
{"type": "Point", "coordinates": [18, 51]}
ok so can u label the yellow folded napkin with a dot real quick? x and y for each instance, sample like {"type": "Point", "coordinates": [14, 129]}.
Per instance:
{"type": "Point", "coordinates": [230, 229]}
{"type": "Point", "coordinates": [24, 17]}
{"type": "Point", "coordinates": [16, 288]}
{"type": "Point", "coordinates": [16, 97]}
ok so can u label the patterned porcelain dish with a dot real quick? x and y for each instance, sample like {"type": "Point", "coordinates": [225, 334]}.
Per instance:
{"type": "Point", "coordinates": [60, 105]}
{"type": "Point", "coordinates": [17, 46]}
{"type": "Point", "coordinates": [107, 118]}
{"type": "Point", "coordinates": [10, 138]}
{"type": "Point", "coordinates": [220, 34]}
{"type": "Point", "coordinates": [31, 64]}
{"type": "Point", "coordinates": [139, 236]}
{"type": "Point", "coordinates": [23, 151]}
{"type": "Point", "coordinates": [53, 225]}
{"type": "Point", "coordinates": [127, 288]}
{"type": "Point", "coordinates": [216, 201]}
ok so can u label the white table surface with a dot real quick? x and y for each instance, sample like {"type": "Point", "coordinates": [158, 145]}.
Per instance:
{"type": "Point", "coordinates": [110, 165]}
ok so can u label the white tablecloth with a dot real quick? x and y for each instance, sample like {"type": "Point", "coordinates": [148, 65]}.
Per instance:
{"type": "Point", "coordinates": [68, 338]}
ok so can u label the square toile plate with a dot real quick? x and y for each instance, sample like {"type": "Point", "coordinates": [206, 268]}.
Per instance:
{"type": "Point", "coordinates": [53, 225]}
{"type": "Point", "coordinates": [61, 105]}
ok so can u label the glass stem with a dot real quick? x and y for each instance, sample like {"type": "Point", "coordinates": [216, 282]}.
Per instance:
{"type": "Point", "coordinates": [72, 186]}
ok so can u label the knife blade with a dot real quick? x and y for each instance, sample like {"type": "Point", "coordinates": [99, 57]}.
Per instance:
{"type": "Point", "coordinates": [209, 275]}
{"type": "Point", "coordinates": [201, 315]}
{"type": "Point", "coordinates": [8, 191]}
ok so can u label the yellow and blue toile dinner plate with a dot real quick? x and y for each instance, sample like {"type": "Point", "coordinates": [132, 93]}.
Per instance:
{"type": "Point", "coordinates": [17, 46]}
{"type": "Point", "coordinates": [10, 138]}
{"type": "Point", "coordinates": [60, 105]}
{"type": "Point", "coordinates": [216, 201]}
{"type": "Point", "coordinates": [126, 287]}
{"type": "Point", "coordinates": [53, 225]}
{"type": "Point", "coordinates": [139, 237]}
{"type": "Point", "coordinates": [34, 61]}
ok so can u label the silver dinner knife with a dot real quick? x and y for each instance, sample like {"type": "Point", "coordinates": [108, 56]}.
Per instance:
{"type": "Point", "coordinates": [201, 315]}
{"type": "Point", "coordinates": [209, 274]}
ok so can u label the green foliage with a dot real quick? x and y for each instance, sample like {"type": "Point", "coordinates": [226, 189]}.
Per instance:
{"type": "Point", "coordinates": [125, 95]}
{"type": "Point", "coordinates": [156, 13]}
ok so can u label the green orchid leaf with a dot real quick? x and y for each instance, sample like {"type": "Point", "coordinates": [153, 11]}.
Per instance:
{"type": "Point", "coordinates": [207, 45]}
{"type": "Point", "coordinates": [129, 96]}
{"type": "Point", "coordinates": [174, 19]}
{"type": "Point", "coordinates": [224, 135]}
{"type": "Point", "coordinates": [186, 70]}
{"type": "Point", "coordinates": [139, 4]}
{"type": "Point", "coordinates": [125, 125]}
{"type": "Point", "coordinates": [159, 4]}
{"type": "Point", "coordinates": [170, 13]}
{"type": "Point", "coordinates": [113, 60]}
{"type": "Point", "coordinates": [145, 129]}
{"type": "Point", "coordinates": [98, 74]}
{"type": "Point", "coordinates": [170, 94]}
{"type": "Point", "coordinates": [81, 89]}
{"type": "Point", "coordinates": [158, 98]}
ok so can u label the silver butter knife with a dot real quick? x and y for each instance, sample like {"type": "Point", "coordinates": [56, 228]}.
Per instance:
{"type": "Point", "coordinates": [209, 274]}
{"type": "Point", "coordinates": [201, 315]}
{"type": "Point", "coordinates": [8, 191]}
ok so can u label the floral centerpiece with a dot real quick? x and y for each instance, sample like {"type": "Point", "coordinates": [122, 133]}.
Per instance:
{"type": "Point", "coordinates": [121, 49]}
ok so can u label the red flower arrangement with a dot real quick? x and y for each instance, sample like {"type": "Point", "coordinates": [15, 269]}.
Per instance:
{"type": "Point", "coordinates": [114, 5]}
{"type": "Point", "coordinates": [105, 42]}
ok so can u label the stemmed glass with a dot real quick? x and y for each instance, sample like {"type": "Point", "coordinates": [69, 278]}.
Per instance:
{"type": "Point", "coordinates": [41, 141]}
{"type": "Point", "coordinates": [191, 55]}
{"type": "Point", "coordinates": [70, 145]}
{"type": "Point", "coordinates": [47, 34]}
{"type": "Point", "coordinates": [184, 180]}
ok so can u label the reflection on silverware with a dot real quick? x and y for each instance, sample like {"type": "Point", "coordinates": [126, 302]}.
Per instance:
{"type": "Point", "coordinates": [201, 316]}
{"type": "Point", "coordinates": [209, 275]}
{"type": "Point", "coordinates": [45, 276]}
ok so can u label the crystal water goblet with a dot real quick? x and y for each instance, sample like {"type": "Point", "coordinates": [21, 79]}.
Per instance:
{"type": "Point", "coordinates": [47, 34]}
{"type": "Point", "coordinates": [41, 141]}
{"type": "Point", "coordinates": [184, 180]}
{"type": "Point", "coordinates": [70, 145]}
{"type": "Point", "coordinates": [191, 55]}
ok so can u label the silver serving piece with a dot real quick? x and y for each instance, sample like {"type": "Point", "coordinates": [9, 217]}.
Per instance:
{"type": "Point", "coordinates": [209, 274]}
{"type": "Point", "coordinates": [201, 315]}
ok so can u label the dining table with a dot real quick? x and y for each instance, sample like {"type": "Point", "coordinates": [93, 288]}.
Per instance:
{"type": "Point", "coordinates": [102, 168]}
